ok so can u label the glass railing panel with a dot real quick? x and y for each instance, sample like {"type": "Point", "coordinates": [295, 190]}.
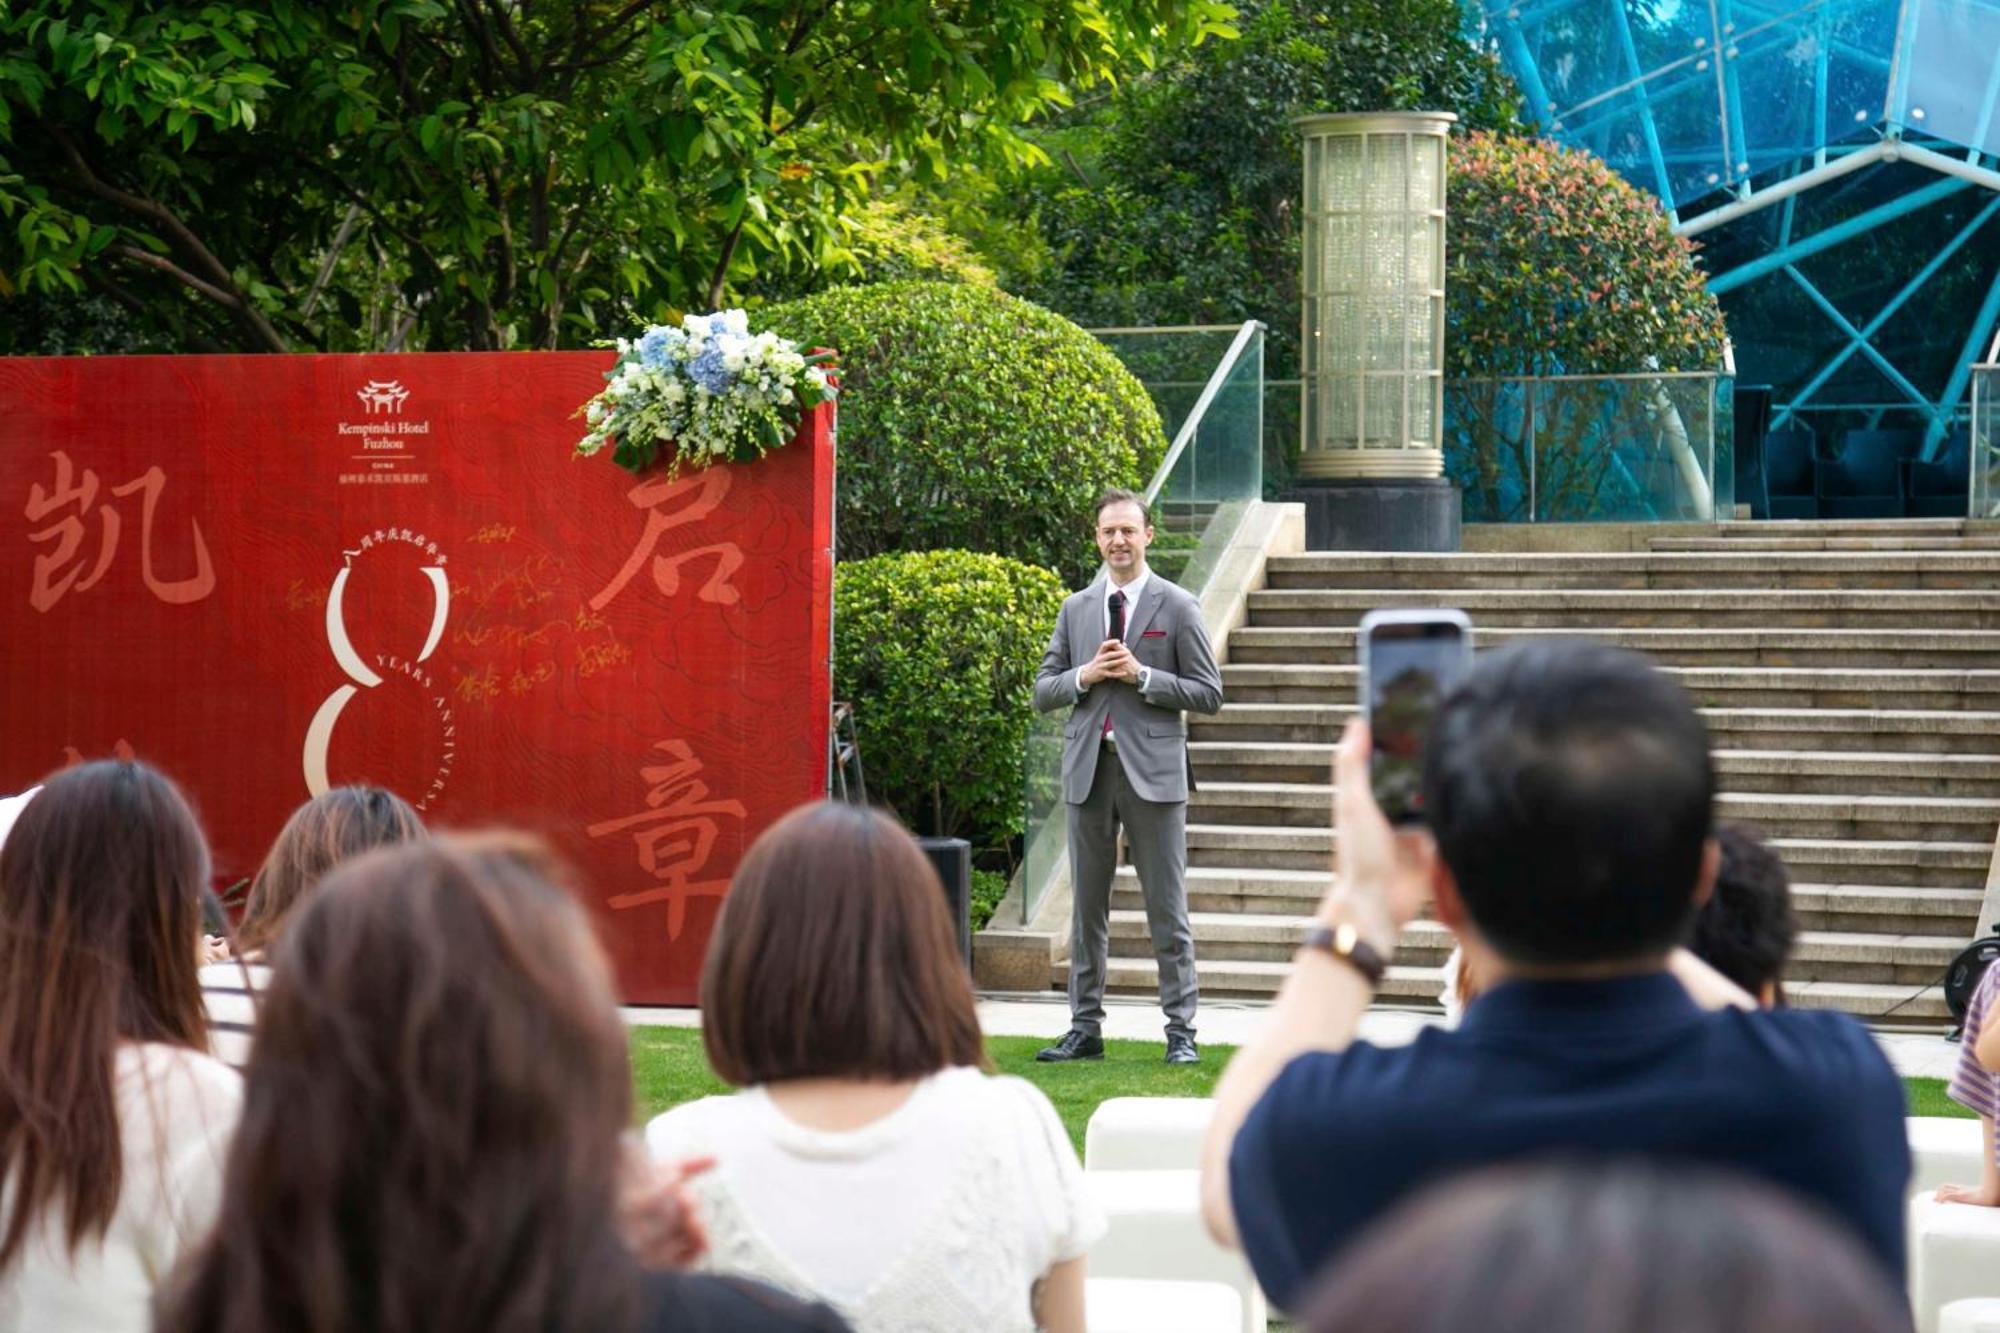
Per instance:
{"type": "Point", "coordinates": [1986, 441]}
{"type": "Point", "coordinates": [1173, 363]}
{"type": "Point", "coordinates": [1598, 448]}
{"type": "Point", "coordinates": [1489, 448]}
{"type": "Point", "coordinates": [1215, 414]}
{"type": "Point", "coordinates": [1624, 449]}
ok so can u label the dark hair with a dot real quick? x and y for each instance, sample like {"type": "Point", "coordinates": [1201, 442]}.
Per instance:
{"type": "Point", "coordinates": [322, 833]}
{"type": "Point", "coordinates": [1746, 929]}
{"type": "Point", "coordinates": [1641, 1248]}
{"type": "Point", "coordinates": [100, 922]}
{"type": "Point", "coordinates": [1569, 786]}
{"type": "Point", "coordinates": [1118, 495]}
{"type": "Point", "coordinates": [834, 957]}
{"type": "Point", "coordinates": [431, 1115]}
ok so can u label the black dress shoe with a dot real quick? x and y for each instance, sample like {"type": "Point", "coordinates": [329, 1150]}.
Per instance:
{"type": "Point", "coordinates": [1181, 1050]}
{"type": "Point", "coordinates": [1073, 1046]}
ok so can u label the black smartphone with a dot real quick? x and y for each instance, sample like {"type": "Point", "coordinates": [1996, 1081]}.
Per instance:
{"type": "Point", "coordinates": [1409, 661]}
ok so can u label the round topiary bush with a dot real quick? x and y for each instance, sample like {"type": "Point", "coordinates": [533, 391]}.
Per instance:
{"type": "Point", "coordinates": [937, 650]}
{"type": "Point", "coordinates": [1556, 265]}
{"type": "Point", "coordinates": [972, 419]}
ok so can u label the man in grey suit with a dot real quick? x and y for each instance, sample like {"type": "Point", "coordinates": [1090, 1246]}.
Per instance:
{"type": "Point", "coordinates": [1128, 655]}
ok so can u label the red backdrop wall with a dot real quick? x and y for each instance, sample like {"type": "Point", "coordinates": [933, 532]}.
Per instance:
{"type": "Point", "coordinates": [266, 574]}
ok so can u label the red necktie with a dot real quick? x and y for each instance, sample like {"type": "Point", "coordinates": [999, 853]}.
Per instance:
{"type": "Point", "coordinates": [1117, 632]}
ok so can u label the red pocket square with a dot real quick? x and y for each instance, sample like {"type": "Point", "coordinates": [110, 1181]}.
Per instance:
{"type": "Point", "coordinates": [1154, 634]}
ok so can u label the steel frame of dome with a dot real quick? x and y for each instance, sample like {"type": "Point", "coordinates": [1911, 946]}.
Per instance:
{"type": "Point", "coordinates": [1727, 108]}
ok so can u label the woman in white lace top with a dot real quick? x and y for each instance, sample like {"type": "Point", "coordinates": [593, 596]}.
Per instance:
{"type": "Point", "coordinates": [869, 1161]}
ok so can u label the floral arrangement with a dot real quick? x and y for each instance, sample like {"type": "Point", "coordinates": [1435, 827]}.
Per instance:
{"type": "Point", "coordinates": [705, 392]}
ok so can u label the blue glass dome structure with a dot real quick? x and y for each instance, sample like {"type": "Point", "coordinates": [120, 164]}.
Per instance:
{"type": "Point", "coordinates": [1835, 160]}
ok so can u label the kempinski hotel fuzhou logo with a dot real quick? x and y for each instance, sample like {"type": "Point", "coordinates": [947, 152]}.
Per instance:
{"type": "Point", "coordinates": [382, 446]}
{"type": "Point", "coordinates": [380, 396]}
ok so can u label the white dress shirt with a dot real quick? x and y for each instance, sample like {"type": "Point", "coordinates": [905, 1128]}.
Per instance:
{"type": "Point", "coordinates": [1131, 591]}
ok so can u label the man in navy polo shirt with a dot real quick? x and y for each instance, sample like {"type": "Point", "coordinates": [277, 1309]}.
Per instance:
{"type": "Point", "coordinates": [1570, 794]}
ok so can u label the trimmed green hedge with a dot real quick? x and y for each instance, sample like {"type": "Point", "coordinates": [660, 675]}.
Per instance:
{"type": "Point", "coordinates": [937, 650]}
{"type": "Point", "coordinates": [971, 419]}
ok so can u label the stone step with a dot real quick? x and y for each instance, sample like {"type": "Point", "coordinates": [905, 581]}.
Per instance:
{"type": "Point", "coordinates": [1805, 772]}
{"type": "Point", "coordinates": [1269, 804]}
{"type": "Point", "coordinates": [1930, 731]}
{"type": "Point", "coordinates": [1718, 687]}
{"type": "Point", "coordinates": [1830, 772]}
{"type": "Point", "coordinates": [1638, 609]}
{"type": "Point", "coordinates": [1791, 570]}
{"type": "Point", "coordinates": [1887, 909]}
{"type": "Point", "coordinates": [1408, 986]}
{"type": "Point", "coordinates": [1967, 543]}
{"type": "Point", "coordinates": [1853, 527]}
{"type": "Point", "coordinates": [1816, 648]}
{"type": "Point", "coordinates": [1811, 858]}
{"type": "Point", "coordinates": [1779, 814]}
{"type": "Point", "coordinates": [1817, 955]}
{"type": "Point", "coordinates": [1879, 908]}
{"type": "Point", "coordinates": [1892, 863]}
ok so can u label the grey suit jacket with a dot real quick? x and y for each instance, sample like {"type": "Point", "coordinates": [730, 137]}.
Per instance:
{"type": "Point", "coordinates": [1164, 631]}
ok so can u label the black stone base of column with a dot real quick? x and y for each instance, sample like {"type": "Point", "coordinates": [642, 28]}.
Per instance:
{"type": "Point", "coordinates": [1397, 514]}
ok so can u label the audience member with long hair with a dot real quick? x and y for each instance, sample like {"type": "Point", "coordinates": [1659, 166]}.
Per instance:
{"type": "Point", "coordinates": [113, 1119]}
{"type": "Point", "coordinates": [1595, 1247]}
{"type": "Point", "coordinates": [432, 1122]}
{"type": "Point", "coordinates": [869, 1160]}
{"type": "Point", "coordinates": [320, 834]}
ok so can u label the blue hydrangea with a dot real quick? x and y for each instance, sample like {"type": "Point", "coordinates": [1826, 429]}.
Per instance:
{"type": "Point", "coordinates": [708, 370]}
{"type": "Point", "coordinates": [656, 345]}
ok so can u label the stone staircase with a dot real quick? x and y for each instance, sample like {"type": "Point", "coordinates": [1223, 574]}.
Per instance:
{"type": "Point", "coordinates": [1849, 674]}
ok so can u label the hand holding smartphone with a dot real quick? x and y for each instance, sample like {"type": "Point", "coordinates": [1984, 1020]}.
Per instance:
{"type": "Point", "coordinates": [1410, 660]}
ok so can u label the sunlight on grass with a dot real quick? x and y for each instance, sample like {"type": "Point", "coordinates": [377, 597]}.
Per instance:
{"type": "Point", "coordinates": [668, 1067]}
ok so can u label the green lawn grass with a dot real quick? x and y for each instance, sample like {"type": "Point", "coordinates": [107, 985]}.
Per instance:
{"type": "Point", "coordinates": [668, 1068]}
{"type": "Point", "coordinates": [1927, 1098]}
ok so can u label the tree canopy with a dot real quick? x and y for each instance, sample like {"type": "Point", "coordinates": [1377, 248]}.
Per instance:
{"type": "Point", "coordinates": [286, 174]}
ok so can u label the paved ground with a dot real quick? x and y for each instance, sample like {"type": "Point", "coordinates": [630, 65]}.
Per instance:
{"type": "Point", "coordinates": [1226, 1023]}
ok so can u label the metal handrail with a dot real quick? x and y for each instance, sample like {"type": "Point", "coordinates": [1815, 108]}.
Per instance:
{"type": "Point", "coordinates": [1162, 328]}
{"type": "Point", "coordinates": [1248, 330]}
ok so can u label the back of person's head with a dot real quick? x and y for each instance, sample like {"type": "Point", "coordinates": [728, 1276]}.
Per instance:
{"type": "Point", "coordinates": [1582, 1248]}
{"type": "Point", "coordinates": [325, 831]}
{"type": "Point", "coordinates": [1570, 790]}
{"type": "Point", "coordinates": [101, 880]}
{"type": "Point", "coordinates": [834, 957]}
{"type": "Point", "coordinates": [432, 1111]}
{"type": "Point", "coordinates": [1746, 929]}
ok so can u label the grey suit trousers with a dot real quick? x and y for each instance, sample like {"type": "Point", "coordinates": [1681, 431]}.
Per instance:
{"type": "Point", "coordinates": [1157, 836]}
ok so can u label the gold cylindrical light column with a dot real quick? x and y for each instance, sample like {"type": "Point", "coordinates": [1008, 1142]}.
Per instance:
{"type": "Point", "coordinates": [1373, 324]}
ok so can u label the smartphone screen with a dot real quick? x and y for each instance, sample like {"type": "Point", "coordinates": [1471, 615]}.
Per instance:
{"type": "Point", "coordinates": [1410, 661]}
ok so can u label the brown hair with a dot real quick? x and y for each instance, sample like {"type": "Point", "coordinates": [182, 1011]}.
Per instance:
{"type": "Point", "coordinates": [1639, 1247]}
{"type": "Point", "coordinates": [432, 1113]}
{"type": "Point", "coordinates": [1118, 495]}
{"type": "Point", "coordinates": [100, 918]}
{"type": "Point", "coordinates": [322, 833]}
{"type": "Point", "coordinates": [1746, 929]}
{"type": "Point", "coordinates": [834, 957]}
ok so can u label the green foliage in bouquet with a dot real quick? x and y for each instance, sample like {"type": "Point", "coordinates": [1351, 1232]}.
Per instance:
{"type": "Point", "coordinates": [973, 419]}
{"type": "Point", "coordinates": [937, 650]}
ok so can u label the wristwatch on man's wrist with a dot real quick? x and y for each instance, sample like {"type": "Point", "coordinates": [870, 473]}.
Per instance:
{"type": "Point", "coordinates": [1344, 942]}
